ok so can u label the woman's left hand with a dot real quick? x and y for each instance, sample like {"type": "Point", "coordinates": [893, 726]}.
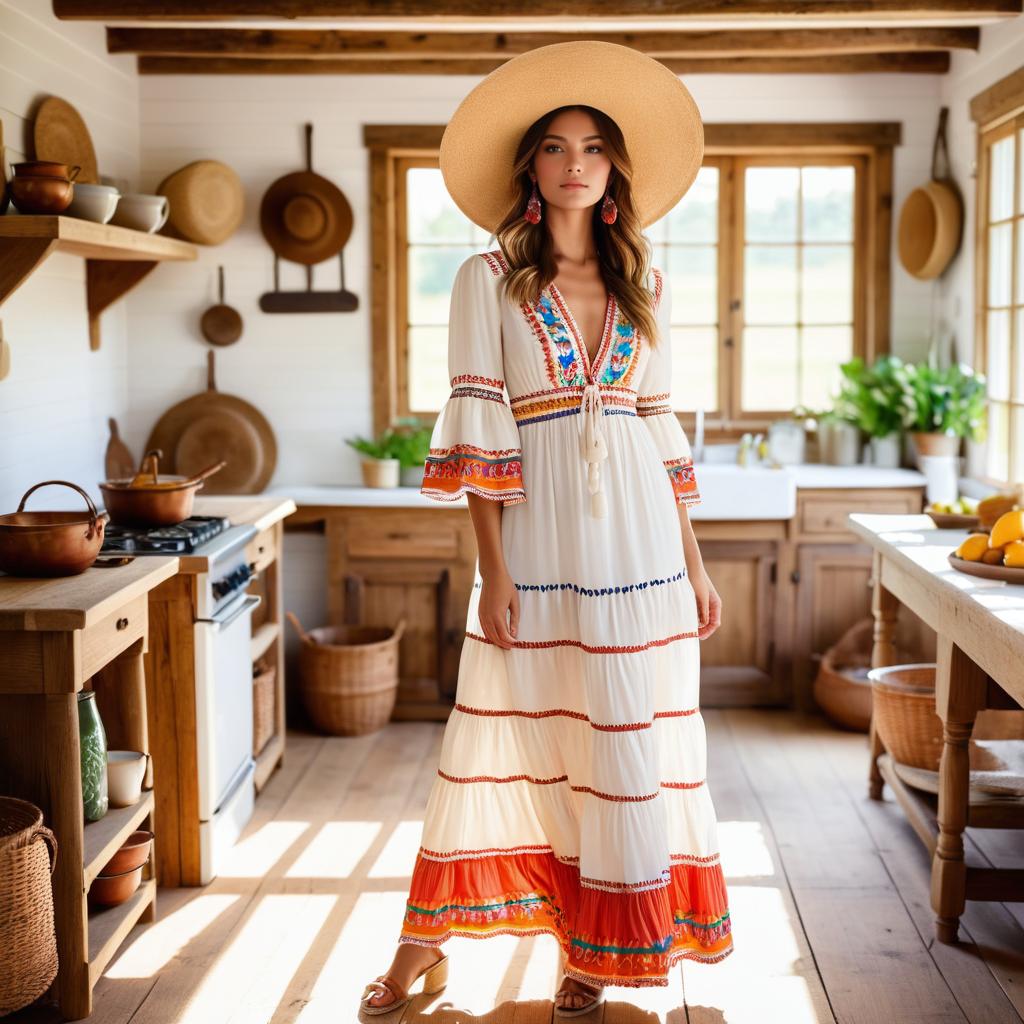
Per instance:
{"type": "Point", "coordinates": [709, 604]}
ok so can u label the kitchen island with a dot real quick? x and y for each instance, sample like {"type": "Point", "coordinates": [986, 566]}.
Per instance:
{"type": "Point", "coordinates": [980, 650]}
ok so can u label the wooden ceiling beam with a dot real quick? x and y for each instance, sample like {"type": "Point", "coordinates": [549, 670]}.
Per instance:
{"type": "Point", "coordinates": [890, 63]}
{"type": "Point", "coordinates": [756, 10]}
{"type": "Point", "coordinates": [318, 44]}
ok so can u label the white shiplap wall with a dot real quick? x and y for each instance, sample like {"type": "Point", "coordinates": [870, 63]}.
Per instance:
{"type": "Point", "coordinates": [55, 403]}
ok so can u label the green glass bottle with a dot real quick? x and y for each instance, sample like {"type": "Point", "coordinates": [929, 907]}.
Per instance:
{"type": "Point", "coordinates": [93, 741]}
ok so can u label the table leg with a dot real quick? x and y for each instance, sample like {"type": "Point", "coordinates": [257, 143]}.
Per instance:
{"type": "Point", "coordinates": [884, 608]}
{"type": "Point", "coordinates": [959, 694]}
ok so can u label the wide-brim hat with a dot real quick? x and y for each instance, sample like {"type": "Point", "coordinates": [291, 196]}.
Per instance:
{"type": "Point", "coordinates": [206, 201]}
{"type": "Point", "coordinates": [305, 217]}
{"type": "Point", "coordinates": [658, 117]}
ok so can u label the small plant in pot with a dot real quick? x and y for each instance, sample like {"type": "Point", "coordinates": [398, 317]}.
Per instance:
{"type": "Point", "coordinates": [872, 397]}
{"type": "Point", "coordinates": [942, 406]}
{"type": "Point", "coordinates": [398, 451]}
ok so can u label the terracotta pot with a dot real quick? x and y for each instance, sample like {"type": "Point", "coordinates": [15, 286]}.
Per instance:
{"type": "Point", "coordinates": [110, 890]}
{"type": "Point", "coordinates": [926, 443]}
{"type": "Point", "coordinates": [41, 194]}
{"type": "Point", "coordinates": [134, 852]}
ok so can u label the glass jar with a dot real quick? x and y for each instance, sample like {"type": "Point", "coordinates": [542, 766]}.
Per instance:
{"type": "Point", "coordinates": [93, 742]}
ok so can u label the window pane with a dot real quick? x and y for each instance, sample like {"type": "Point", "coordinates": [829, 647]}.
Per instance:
{"type": "Point", "coordinates": [428, 367]}
{"type": "Point", "coordinates": [695, 369]}
{"type": "Point", "coordinates": [1020, 255]}
{"type": "Point", "coordinates": [826, 286]}
{"type": "Point", "coordinates": [431, 275]}
{"type": "Point", "coordinates": [695, 217]}
{"type": "Point", "coordinates": [769, 284]}
{"type": "Point", "coordinates": [769, 368]}
{"type": "Point", "coordinates": [1020, 171]}
{"type": "Point", "coordinates": [822, 350]}
{"type": "Point", "coordinates": [1001, 178]}
{"type": "Point", "coordinates": [770, 203]}
{"type": "Point", "coordinates": [1018, 394]}
{"type": "Point", "coordinates": [692, 276]}
{"type": "Point", "coordinates": [997, 461]}
{"type": "Point", "coordinates": [828, 204]}
{"type": "Point", "coordinates": [1016, 445]}
{"type": "Point", "coordinates": [432, 216]}
{"type": "Point", "coordinates": [997, 343]}
{"type": "Point", "coordinates": [1000, 239]}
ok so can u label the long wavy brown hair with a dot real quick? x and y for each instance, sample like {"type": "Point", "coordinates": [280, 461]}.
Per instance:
{"type": "Point", "coordinates": [623, 249]}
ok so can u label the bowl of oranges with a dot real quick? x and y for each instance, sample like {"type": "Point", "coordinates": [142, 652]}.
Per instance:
{"type": "Point", "coordinates": [995, 550]}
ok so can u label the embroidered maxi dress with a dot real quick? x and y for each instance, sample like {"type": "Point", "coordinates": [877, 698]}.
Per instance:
{"type": "Point", "coordinates": [571, 795]}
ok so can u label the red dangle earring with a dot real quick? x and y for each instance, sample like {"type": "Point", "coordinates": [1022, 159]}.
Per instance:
{"type": "Point", "coordinates": [609, 211]}
{"type": "Point", "coordinates": [533, 207]}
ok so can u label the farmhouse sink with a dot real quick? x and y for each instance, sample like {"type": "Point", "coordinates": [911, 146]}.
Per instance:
{"type": "Point", "coordinates": [729, 491]}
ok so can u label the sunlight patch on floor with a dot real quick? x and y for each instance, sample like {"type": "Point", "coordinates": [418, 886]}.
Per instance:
{"type": "Point", "coordinates": [252, 974]}
{"type": "Point", "coordinates": [157, 945]}
{"type": "Point", "coordinates": [255, 855]}
{"type": "Point", "coordinates": [336, 850]}
{"type": "Point", "coordinates": [745, 853]}
{"type": "Point", "coordinates": [760, 981]}
{"type": "Point", "coordinates": [399, 854]}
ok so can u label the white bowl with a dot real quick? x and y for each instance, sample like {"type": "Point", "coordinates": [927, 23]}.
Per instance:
{"type": "Point", "coordinates": [142, 212]}
{"type": "Point", "coordinates": [93, 202]}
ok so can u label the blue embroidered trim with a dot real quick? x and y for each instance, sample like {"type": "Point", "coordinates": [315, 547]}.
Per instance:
{"type": "Point", "coordinates": [572, 412]}
{"type": "Point", "coordinates": [595, 591]}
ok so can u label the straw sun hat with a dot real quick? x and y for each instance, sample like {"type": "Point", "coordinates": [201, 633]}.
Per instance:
{"type": "Point", "coordinates": [655, 111]}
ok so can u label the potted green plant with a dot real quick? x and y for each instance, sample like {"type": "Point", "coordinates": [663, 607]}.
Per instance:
{"type": "Point", "coordinates": [402, 446]}
{"type": "Point", "coordinates": [872, 397]}
{"type": "Point", "coordinates": [942, 406]}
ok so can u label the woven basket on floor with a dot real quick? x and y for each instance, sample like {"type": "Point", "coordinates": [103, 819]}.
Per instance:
{"type": "Point", "coordinates": [264, 694]}
{"type": "Point", "coordinates": [348, 676]}
{"type": "Point", "coordinates": [28, 851]}
{"type": "Point", "coordinates": [904, 708]}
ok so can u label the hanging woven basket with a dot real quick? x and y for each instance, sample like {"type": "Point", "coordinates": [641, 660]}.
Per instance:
{"type": "Point", "coordinates": [28, 852]}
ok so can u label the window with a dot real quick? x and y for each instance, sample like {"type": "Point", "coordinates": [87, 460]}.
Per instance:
{"type": "Point", "coordinates": [999, 261]}
{"type": "Point", "coordinates": [777, 258]}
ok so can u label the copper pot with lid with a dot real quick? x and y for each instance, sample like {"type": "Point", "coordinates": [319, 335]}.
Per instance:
{"type": "Point", "coordinates": [151, 498]}
{"type": "Point", "coordinates": [51, 543]}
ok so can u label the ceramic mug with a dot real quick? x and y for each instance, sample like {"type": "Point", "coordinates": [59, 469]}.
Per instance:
{"type": "Point", "coordinates": [125, 771]}
{"type": "Point", "coordinates": [142, 212]}
{"type": "Point", "coordinates": [94, 202]}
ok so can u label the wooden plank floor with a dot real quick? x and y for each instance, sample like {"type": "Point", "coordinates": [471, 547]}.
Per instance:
{"type": "Point", "coordinates": [828, 895]}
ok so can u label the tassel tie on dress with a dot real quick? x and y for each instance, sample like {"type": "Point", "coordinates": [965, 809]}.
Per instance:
{"type": "Point", "coordinates": [593, 446]}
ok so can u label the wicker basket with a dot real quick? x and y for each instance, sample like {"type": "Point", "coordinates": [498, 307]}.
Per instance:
{"type": "Point", "coordinates": [904, 710]}
{"type": "Point", "coordinates": [348, 676]}
{"type": "Point", "coordinates": [28, 852]}
{"type": "Point", "coordinates": [264, 704]}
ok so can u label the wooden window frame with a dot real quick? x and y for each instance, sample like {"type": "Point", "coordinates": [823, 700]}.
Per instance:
{"type": "Point", "coordinates": [392, 148]}
{"type": "Point", "coordinates": [997, 111]}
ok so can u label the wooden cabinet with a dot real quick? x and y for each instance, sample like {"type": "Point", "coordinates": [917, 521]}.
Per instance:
{"type": "Point", "coordinates": [58, 637]}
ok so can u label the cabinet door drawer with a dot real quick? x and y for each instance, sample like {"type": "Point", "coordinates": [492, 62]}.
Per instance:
{"type": "Point", "coordinates": [366, 538]}
{"type": "Point", "coordinates": [110, 636]}
{"type": "Point", "coordinates": [829, 516]}
{"type": "Point", "coordinates": [262, 549]}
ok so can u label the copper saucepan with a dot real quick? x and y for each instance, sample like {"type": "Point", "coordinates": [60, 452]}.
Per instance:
{"type": "Point", "coordinates": [51, 543]}
{"type": "Point", "coordinates": [151, 498]}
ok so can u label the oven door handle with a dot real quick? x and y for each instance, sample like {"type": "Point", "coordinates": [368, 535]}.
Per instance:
{"type": "Point", "coordinates": [247, 604]}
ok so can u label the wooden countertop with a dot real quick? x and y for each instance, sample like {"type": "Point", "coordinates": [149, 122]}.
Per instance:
{"type": "Point", "coordinates": [985, 618]}
{"type": "Point", "coordinates": [259, 510]}
{"type": "Point", "coordinates": [74, 602]}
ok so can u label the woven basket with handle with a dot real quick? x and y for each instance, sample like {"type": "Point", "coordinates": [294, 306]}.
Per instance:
{"type": "Point", "coordinates": [348, 676]}
{"type": "Point", "coordinates": [28, 852]}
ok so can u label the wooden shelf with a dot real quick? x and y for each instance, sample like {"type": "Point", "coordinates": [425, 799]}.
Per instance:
{"type": "Point", "coordinates": [109, 927]}
{"type": "Point", "coordinates": [103, 838]}
{"type": "Point", "coordinates": [267, 760]}
{"type": "Point", "coordinates": [264, 636]}
{"type": "Point", "coordinates": [117, 259]}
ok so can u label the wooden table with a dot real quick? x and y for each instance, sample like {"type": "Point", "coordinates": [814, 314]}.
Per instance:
{"type": "Point", "coordinates": [980, 654]}
{"type": "Point", "coordinates": [55, 637]}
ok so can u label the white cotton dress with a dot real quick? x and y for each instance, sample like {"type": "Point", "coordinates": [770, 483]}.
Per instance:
{"type": "Point", "coordinates": [571, 796]}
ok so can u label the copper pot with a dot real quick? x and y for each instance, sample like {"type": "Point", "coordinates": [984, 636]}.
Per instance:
{"type": "Point", "coordinates": [151, 498]}
{"type": "Point", "coordinates": [45, 168]}
{"type": "Point", "coordinates": [50, 543]}
{"type": "Point", "coordinates": [41, 193]}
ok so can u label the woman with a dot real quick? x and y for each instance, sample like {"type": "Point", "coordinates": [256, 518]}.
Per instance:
{"type": "Point", "coordinates": [570, 797]}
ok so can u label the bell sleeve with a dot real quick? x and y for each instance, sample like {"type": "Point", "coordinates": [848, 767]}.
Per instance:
{"type": "Point", "coordinates": [475, 446]}
{"type": "Point", "coordinates": [654, 404]}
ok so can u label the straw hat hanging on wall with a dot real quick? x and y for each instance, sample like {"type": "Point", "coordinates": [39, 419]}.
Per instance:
{"type": "Point", "coordinates": [931, 220]}
{"type": "Point", "coordinates": [207, 202]}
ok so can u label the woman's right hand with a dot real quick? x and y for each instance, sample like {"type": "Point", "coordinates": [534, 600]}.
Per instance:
{"type": "Point", "coordinates": [498, 597]}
